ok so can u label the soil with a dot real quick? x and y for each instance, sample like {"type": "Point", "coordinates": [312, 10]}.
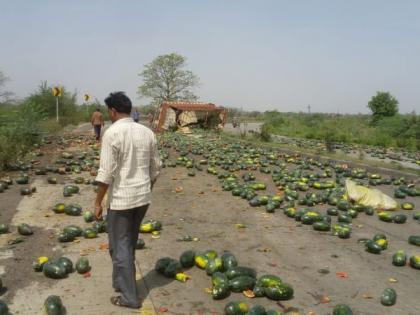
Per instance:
{"type": "Point", "coordinates": [275, 244]}
{"type": "Point", "coordinates": [17, 268]}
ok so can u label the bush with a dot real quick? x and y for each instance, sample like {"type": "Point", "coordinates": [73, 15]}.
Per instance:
{"type": "Point", "coordinates": [19, 131]}
{"type": "Point", "coordinates": [399, 130]}
{"type": "Point", "coordinates": [8, 151]}
{"type": "Point", "coordinates": [23, 124]}
{"type": "Point", "coordinates": [50, 126]}
{"type": "Point", "coordinates": [329, 137]}
{"type": "Point", "coordinates": [264, 134]}
{"type": "Point", "coordinates": [380, 139]}
{"type": "Point", "coordinates": [408, 143]}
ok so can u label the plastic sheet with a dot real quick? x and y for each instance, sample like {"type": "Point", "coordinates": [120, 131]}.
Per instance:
{"type": "Point", "coordinates": [369, 197]}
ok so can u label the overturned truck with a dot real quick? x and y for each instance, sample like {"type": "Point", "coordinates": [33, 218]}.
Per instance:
{"type": "Point", "coordinates": [174, 115]}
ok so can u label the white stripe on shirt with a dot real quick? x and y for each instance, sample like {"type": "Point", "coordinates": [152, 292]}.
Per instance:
{"type": "Point", "coordinates": [129, 162]}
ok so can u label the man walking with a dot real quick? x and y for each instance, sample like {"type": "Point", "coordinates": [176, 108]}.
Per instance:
{"type": "Point", "coordinates": [136, 116]}
{"type": "Point", "coordinates": [129, 166]}
{"type": "Point", "coordinates": [97, 121]}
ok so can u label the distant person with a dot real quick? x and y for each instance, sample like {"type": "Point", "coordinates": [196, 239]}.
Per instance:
{"type": "Point", "coordinates": [150, 119]}
{"type": "Point", "coordinates": [97, 121]}
{"type": "Point", "coordinates": [128, 168]}
{"type": "Point", "coordinates": [235, 122]}
{"type": "Point", "coordinates": [136, 116]}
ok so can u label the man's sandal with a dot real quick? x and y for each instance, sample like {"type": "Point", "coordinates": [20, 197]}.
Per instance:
{"type": "Point", "coordinates": [116, 300]}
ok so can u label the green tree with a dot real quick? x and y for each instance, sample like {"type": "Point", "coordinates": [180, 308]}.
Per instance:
{"type": "Point", "coordinates": [165, 79]}
{"type": "Point", "coordinates": [383, 104]}
{"type": "Point", "coordinates": [146, 109]}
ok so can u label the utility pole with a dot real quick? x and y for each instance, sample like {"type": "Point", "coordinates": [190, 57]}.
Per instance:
{"type": "Point", "coordinates": [56, 91]}
{"type": "Point", "coordinates": [86, 99]}
{"type": "Point", "coordinates": [309, 109]}
{"type": "Point", "coordinates": [56, 109]}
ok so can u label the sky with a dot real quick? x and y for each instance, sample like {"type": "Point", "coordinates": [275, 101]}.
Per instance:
{"type": "Point", "coordinates": [256, 55]}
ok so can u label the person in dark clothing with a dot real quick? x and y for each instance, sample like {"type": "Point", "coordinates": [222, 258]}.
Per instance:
{"type": "Point", "coordinates": [136, 116]}
{"type": "Point", "coordinates": [97, 122]}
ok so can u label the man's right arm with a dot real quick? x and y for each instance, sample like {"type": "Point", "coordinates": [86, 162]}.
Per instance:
{"type": "Point", "coordinates": [107, 168]}
{"type": "Point", "coordinates": [107, 161]}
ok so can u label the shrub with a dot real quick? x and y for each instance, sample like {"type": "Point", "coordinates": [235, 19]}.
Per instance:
{"type": "Point", "coordinates": [400, 130]}
{"type": "Point", "coordinates": [8, 151]}
{"type": "Point", "coordinates": [50, 126]}
{"type": "Point", "coordinates": [264, 134]}
{"type": "Point", "coordinates": [19, 131]}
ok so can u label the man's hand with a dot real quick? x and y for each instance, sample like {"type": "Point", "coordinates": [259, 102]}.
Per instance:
{"type": "Point", "coordinates": [98, 212]}
{"type": "Point", "coordinates": [102, 188]}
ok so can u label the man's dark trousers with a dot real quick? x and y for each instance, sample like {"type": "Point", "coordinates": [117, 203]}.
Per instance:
{"type": "Point", "coordinates": [97, 129]}
{"type": "Point", "coordinates": [123, 232]}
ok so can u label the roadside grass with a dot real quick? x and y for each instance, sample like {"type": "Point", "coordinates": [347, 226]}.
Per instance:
{"type": "Point", "coordinates": [24, 123]}
{"type": "Point", "coordinates": [400, 131]}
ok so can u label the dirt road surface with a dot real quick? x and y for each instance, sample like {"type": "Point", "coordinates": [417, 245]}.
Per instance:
{"type": "Point", "coordinates": [315, 263]}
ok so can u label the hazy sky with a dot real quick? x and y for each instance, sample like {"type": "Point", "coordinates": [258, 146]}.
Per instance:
{"type": "Point", "coordinates": [284, 55]}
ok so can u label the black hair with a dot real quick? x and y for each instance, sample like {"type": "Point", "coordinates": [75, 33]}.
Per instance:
{"type": "Point", "coordinates": [98, 109]}
{"type": "Point", "coordinates": [119, 101]}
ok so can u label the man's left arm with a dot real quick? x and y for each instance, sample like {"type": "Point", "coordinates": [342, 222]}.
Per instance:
{"type": "Point", "coordinates": [102, 189]}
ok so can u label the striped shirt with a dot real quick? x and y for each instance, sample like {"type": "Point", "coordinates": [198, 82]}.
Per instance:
{"type": "Point", "coordinates": [129, 162]}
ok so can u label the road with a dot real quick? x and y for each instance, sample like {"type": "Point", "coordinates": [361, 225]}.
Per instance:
{"type": "Point", "coordinates": [197, 206]}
